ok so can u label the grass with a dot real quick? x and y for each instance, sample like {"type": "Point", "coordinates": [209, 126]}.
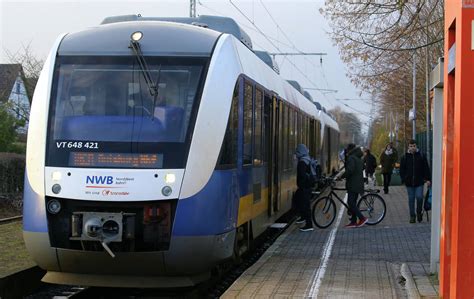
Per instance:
{"type": "Point", "coordinates": [13, 254]}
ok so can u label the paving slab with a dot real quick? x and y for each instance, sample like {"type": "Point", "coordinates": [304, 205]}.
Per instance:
{"type": "Point", "coordinates": [361, 263]}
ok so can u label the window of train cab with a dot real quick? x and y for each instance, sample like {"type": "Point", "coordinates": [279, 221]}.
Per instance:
{"type": "Point", "coordinates": [228, 155]}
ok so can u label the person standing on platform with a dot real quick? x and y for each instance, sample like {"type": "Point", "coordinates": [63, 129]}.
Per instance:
{"type": "Point", "coordinates": [414, 172]}
{"type": "Point", "coordinates": [388, 158]}
{"type": "Point", "coordinates": [354, 183]}
{"type": "Point", "coordinates": [370, 163]}
{"type": "Point", "coordinates": [303, 193]}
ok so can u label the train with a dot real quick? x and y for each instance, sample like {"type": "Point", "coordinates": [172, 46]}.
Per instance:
{"type": "Point", "coordinates": [160, 148]}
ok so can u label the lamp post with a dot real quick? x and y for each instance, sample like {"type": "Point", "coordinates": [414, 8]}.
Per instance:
{"type": "Point", "coordinates": [414, 95]}
{"type": "Point", "coordinates": [427, 100]}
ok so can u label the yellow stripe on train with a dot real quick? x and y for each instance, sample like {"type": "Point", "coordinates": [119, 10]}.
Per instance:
{"type": "Point", "coordinates": [248, 210]}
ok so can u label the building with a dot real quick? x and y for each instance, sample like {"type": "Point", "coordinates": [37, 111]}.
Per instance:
{"type": "Point", "coordinates": [14, 93]}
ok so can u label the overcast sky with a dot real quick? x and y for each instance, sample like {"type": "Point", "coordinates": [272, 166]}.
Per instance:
{"type": "Point", "coordinates": [38, 23]}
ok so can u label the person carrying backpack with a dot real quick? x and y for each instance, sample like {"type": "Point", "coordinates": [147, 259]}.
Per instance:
{"type": "Point", "coordinates": [305, 180]}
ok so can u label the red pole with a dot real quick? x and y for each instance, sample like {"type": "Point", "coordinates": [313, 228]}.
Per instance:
{"type": "Point", "coordinates": [457, 218]}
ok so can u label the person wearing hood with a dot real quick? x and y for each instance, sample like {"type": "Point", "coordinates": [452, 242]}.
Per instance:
{"type": "Point", "coordinates": [354, 183]}
{"type": "Point", "coordinates": [388, 158]}
{"type": "Point", "coordinates": [414, 172]}
{"type": "Point", "coordinates": [303, 193]}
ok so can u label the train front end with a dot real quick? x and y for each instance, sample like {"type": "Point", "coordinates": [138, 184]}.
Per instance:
{"type": "Point", "coordinates": [110, 134]}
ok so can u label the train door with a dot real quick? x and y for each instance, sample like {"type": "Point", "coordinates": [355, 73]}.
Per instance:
{"type": "Point", "coordinates": [271, 148]}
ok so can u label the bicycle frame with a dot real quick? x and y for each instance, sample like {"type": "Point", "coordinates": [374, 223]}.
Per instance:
{"type": "Point", "coordinates": [332, 193]}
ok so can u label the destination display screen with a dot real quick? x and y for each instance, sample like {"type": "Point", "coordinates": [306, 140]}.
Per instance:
{"type": "Point", "coordinates": [116, 160]}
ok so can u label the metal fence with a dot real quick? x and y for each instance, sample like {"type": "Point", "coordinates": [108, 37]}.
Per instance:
{"type": "Point", "coordinates": [423, 146]}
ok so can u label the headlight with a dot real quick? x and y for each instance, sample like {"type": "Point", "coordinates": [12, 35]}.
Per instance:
{"type": "Point", "coordinates": [136, 36]}
{"type": "Point", "coordinates": [170, 178]}
{"type": "Point", "coordinates": [53, 206]}
{"type": "Point", "coordinates": [166, 190]}
{"type": "Point", "coordinates": [56, 188]}
{"type": "Point", "coordinates": [56, 176]}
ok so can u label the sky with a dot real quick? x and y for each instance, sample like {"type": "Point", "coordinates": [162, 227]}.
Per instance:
{"type": "Point", "coordinates": [301, 28]}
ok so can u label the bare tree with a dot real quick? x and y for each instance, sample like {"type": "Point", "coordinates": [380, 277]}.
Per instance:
{"type": "Point", "coordinates": [349, 125]}
{"type": "Point", "coordinates": [31, 66]}
{"type": "Point", "coordinates": [377, 40]}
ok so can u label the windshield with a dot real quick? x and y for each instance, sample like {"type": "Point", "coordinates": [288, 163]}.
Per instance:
{"type": "Point", "coordinates": [103, 105]}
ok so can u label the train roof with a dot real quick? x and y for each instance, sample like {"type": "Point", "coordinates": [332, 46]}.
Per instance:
{"type": "Point", "coordinates": [301, 90]}
{"type": "Point", "coordinates": [265, 57]}
{"type": "Point", "coordinates": [114, 39]}
{"type": "Point", "coordinates": [296, 85]}
{"type": "Point", "coordinates": [256, 69]}
{"type": "Point", "coordinates": [308, 95]}
{"type": "Point", "coordinates": [221, 24]}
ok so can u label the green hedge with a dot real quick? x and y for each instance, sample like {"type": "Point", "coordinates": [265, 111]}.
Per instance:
{"type": "Point", "coordinates": [12, 172]}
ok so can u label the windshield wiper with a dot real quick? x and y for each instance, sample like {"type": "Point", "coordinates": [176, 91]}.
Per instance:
{"type": "Point", "coordinates": [152, 86]}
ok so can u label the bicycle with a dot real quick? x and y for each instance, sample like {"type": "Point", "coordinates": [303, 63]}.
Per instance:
{"type": "Point", "coordinates": [371, 205]}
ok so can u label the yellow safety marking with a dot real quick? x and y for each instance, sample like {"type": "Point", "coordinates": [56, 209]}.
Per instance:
{"type": "Point", "coordinates": [248, 210]}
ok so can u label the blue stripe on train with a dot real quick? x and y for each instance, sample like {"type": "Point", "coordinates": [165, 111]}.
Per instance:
{"type": "Point", "coordinates": [214, 209]}
{"type": "Point", "coordinates": [34, 211]}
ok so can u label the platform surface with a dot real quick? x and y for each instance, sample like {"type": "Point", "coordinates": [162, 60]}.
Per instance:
{"type": "Point", "coordinates": [343, 262]}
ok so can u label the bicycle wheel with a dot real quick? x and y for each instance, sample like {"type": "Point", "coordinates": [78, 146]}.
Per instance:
{"type": "Point", "coordinates": [324, 212]}
{"type": "Point", "coordinates": [373, 207]}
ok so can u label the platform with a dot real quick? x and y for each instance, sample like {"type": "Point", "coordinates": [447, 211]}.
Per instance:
{"type": "Point", "coordinates": [389, 260]}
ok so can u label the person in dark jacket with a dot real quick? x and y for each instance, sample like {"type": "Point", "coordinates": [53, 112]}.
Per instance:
{"type": "Point", "coordinates": [303, 193]}
{"type": "Point", "coordinates": [414, 172]}
{"type": "Point", "coordinates": [370, 163]}
{"type": "Point", "coordinates": [354, 183]}
{"type": "Point", "coordinates": [388, 158]}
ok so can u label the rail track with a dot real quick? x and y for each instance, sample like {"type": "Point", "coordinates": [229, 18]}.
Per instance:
{"type": "Point", "coordinates": [10, 219]}
{"type": "Point", "coordinates": [220, 281]}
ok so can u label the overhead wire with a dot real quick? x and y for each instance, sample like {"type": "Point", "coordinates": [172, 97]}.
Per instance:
{"type": "Point", "coordinates": [275, 46]}
{"type": "Point", "coordinates": [271, 39]}
{"type": "Point", "coordinates": [243, 25]}
{"type": "Point", "coordinates": [284, 34]}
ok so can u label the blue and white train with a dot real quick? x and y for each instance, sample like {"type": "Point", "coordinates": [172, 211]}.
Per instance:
{"type": "Point", "coordinates": [159, 149]}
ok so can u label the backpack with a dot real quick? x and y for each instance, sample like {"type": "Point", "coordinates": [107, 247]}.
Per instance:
{"type": "Point", "coordinates": [314, 172]}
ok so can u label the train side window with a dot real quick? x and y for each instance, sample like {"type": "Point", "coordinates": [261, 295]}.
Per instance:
{"type": "Point", "coordinates": [248, 97]}
{"type": "Point", "coordinates": [267, 138]}
{"type": "Point", "coordinates": [312, 138]}
{"type": "Point", "coordinates": [257, 153]}
{"type": "Point", "coordinates": [228, 154]}
{"type": "Point", "coordinates": [296, 133]}
{"type": "Point", "coordinates": [291, 137]}
{"type": "Point", "coordinates": [306, 130]}
{"type": "Point", "coordinates": [300, 131]}
{"type": "Point", "coordinates": [285, 129]}
{"type": "Point", "coordinates": [318, 137]}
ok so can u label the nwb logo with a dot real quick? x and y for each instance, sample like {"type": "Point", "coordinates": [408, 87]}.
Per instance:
{"type": "Point", "coordinates": [100, 180]}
